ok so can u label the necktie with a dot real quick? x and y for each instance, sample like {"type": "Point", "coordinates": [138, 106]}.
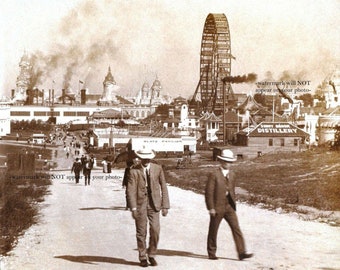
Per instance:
{"type": "Point", "coordinates": [148, 180]}
{"type": "Point", "coordinates": [227, 184]}
{"type": "Point", "coordinates": [229, 198]}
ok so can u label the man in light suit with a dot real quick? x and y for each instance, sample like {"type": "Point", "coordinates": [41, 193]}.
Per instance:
{"type": "Point", "coordinates": [220, 201]}
{"type": "Point", "coordinates": [147, 195]}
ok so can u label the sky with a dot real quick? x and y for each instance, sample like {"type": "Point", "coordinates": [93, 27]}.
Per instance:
{"type": "Point", "coordinates": [78, 40]}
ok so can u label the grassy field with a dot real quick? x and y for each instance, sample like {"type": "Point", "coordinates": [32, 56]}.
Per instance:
{"type": "Point", "coordinates": [18, 206]}
{"type": "Point", "coordinates": [284, 180]}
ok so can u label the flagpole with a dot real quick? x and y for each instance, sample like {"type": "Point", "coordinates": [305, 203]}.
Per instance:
{"type": "Point", "coordinates": [273, 106]}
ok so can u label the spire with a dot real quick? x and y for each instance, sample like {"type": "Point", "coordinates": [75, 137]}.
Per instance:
{"type": "Point", "coordinates": [109, 77]}
{"type": "Point", "coordinates": [24, 59]}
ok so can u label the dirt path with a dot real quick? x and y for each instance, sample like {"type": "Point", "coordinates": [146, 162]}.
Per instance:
{"type": "Point", "coordinates": [88, 228]}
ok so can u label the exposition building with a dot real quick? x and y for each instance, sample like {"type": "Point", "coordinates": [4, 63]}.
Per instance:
{"type": "Point", "coordinates": [28, 103]}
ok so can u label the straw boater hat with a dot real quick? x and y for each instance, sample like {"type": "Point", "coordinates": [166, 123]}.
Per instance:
{"type": "Point", "coordinates": [145, 153]}
{"type": "Point", "coordinates": [227, 155]}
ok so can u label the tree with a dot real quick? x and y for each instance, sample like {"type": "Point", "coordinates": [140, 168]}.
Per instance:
{"type": "Point", "coordinates": [320, 96]}
{"type": "Point", "coordinates": [337, 138]}
{"type": "Point", "coordinates": [162, 109]}
{"type": "Point", "coordinates": [307, 99]}
{"type": "Point", "coordinates": [260, 98]}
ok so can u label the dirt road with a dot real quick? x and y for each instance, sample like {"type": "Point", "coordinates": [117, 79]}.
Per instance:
{"type": "Point", "coordinates": [87, 227]}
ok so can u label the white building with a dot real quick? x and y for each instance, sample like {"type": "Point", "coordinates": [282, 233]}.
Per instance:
{"type": "Point", "coordinates": [211, 123]}
{"type": "Point", "coordinates": [187, 121]}
{"type": "Point", "coordinates": [322, 126]}
{"type": "Point", "coordinates": [331, 89]}
{"type": "Point", "coordinates": [5, 118]}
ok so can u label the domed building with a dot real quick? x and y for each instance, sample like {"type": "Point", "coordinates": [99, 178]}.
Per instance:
{"type": "Point", "coordinates": [78, 105]}
{"type": "Point", "coordinates": [331, 89]}
{"type": "Point", "coordinates": [322, 124]}
{"type": "Point", "coordinates": [150, 96]}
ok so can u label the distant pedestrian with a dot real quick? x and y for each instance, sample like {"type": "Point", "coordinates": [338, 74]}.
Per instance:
{"type": "Point", "coordinates": [109, 166]}
{"type": "Point", "coordinates": [104, 163]}
{"type": "Point", "coordinates": [76, 168]}
{"type": "Point", "coordinates": [67, 154]}
{"type": "Point", "coordinates": [220, 201]}
{"type": "Point", "coordinates": [83, 160]}
{"type": "Point", "coordinates": [147, 195]}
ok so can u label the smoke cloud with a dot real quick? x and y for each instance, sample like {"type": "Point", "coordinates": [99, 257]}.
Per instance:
{"type": "Point", "coordinates": [97, 34]}
{"type": "Point", "coordinates": [140, 40]}
{"type": "Point", "coordinates": [250, 78]}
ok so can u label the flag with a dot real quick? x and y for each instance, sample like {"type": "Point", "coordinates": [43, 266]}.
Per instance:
{"type": "Point", "coordinates": [81, 82]}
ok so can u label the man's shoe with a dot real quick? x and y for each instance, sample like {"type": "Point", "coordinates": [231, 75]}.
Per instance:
{"type": "Point", "coordinates": [144, 263]}
{"type": "Point", "coordinates": [152, 261]}
{"type": "Point", "coordinates": [213, 257]}
{"type": "Point", "coordinates": [245, 256]}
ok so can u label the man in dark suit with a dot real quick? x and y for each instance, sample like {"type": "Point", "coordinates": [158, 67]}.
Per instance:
{"type": "Point", "coordinates": [76, 168]}
{"type": "Point", "coordinates": [220, 201]}
{"type": "Point", "coordinates": [147, 196]}
{"type": "Point", "coordinates": [88, 166]}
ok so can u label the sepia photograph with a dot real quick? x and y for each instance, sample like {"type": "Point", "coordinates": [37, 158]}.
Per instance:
{"type": "Point", "coordinates": [174, 134]}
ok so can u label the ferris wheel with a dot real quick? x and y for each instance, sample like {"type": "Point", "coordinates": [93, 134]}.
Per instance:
{"type": "Point", "coordinates": [215, 62]}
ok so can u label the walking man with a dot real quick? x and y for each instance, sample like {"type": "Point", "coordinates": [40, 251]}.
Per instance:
{"type": "Point", "coordinates": [87, 170]}
{"type": "Point", "coordinates": [76, 168]}
{"type": "Point", "coordinates": [147, 196]}
{"type": "Point", "coordinates": [220, 201]}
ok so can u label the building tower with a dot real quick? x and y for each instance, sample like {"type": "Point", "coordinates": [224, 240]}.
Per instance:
{"type": "Point", "coordinates": [23, 80]}
{"type": "Point", "coordinates": [156, 92]}
{"type": "Point", "coordinates": [145, 94]}
{"type": "Point", "coordinates": [110, 89]}
{"type": "Point", "coordinates": [331, 88]}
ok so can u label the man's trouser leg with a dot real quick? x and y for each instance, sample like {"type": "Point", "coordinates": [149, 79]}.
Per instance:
{"type": "Point", "coordinates": [141, 230]}
{"type": "Point", "coordinates": [212, 235]}
{"type": "Point", "coordinates": [231, 217]}
{"type": "Point", "coordinates": [153, 217]}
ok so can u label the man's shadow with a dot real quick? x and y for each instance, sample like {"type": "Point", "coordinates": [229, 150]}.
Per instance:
{"type": "Point", "coordinates": [101, 259]}
{"type": "Point", "coordinates": [169, 252]}
{"type": "Point", "coordinates": [95, 259]}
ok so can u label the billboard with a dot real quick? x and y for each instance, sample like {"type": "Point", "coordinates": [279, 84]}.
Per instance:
{"type": "Point", "coordinates": [158, 144]}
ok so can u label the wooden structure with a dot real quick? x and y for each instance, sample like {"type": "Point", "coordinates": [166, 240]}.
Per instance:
{"type": "Point", "coordinates": [273, 137]}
